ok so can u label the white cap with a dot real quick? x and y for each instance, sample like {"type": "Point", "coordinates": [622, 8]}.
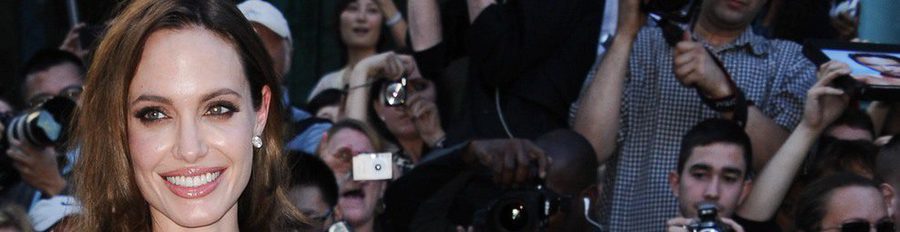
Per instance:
{"type": "Point", "coordinates": [264, 13]}
{"type": "Point", "coordinates": [46, 213]}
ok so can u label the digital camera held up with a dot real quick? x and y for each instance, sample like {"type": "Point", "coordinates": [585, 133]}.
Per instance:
{"type": "Point", "coordinates": [395, 92]}
{"type": "Point", "coordinates": [709, 221]}
{"type": "Point", "coordinates": [373, 166]}
{"type": "Point", "coordinates": [47, 124]}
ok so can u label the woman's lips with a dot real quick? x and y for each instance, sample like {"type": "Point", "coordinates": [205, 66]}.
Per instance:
{"type": "Point", "coordinates": [360, 31]}
{"type": "Point", "coordinates": [193, 183]}
{"type": "Point", "coordinates": [735, 4]}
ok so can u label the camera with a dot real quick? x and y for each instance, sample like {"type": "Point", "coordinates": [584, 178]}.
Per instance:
{"type": "Point", "coordinates": [44, 125]}
{"type": "Point", "coordinates": [394, 93]}
{"type": "Point", "coordinates": [525, 209]}
{"type": "Point", "coordinates": [373, 166]}
{"type": "Point", "coordinates": [708, 219]}
{"type": "Point", "coordinates": [669, 14]}
{"type": "Point", "coordinates": [674, 9]}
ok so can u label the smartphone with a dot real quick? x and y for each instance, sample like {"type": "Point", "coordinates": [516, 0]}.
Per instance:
{"type": "Point", "coordinates": [373, 166]}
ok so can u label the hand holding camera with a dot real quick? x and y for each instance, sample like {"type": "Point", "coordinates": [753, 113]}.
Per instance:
{"type": "Point", "coordinates": [825, 103]}
{"type": "Point", "coordinates": [425, 117]}
{"type": "Point", "coordinates": [708, 221]}
{"type": "Point", "coordinates": [37, 166]}
{"type": "Point", "coordinates": [388, 65]}
{"type": "Point", "coordinates": [28, 144]}
{"type": "Point", "coordinates": [512, 161]}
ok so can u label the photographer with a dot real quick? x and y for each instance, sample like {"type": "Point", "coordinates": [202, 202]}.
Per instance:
{"type": "Point", "coordinates": [468, 185]}
{"type": "Point", "coordinates": [50, 73]}
{"type": "Point", "coordinates": [646, 92]}
{"type": "Point", "coordinates": [713, 167]}
{"type": "Point", "coordinates": [388, 92]}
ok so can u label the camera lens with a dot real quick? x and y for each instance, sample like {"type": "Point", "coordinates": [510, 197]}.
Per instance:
{"type": "Point", "coordinates": [395, 92]}
{"type": "Point", "coordinates": [513, 216]}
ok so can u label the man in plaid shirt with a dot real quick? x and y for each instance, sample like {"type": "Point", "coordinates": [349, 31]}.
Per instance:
{"type": "Point", "coordinates": [646, 94]}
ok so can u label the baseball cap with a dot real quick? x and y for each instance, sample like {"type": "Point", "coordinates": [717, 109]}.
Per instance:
{"type": "Point", "coordinates": [266, 14]}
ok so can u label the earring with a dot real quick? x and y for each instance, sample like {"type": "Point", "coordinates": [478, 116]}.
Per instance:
{"type": "Point", "coordinates": [256, 141]}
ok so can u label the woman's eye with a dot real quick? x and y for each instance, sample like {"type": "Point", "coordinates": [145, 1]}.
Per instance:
{"type": "Point", "coordinates": [151, 114]}
{"type": "Point", "coordinates": [219, 110]}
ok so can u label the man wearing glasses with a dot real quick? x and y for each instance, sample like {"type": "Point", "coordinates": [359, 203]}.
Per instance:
{"type": "Point", "coordinates": [49, 73]}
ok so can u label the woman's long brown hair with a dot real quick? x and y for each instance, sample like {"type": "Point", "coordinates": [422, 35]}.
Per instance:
{"type": "Point", "coordinates": [104, 181]}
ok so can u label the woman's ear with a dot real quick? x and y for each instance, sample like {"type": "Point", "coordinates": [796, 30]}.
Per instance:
{"type": "Point", "coordinates": [262, 114]}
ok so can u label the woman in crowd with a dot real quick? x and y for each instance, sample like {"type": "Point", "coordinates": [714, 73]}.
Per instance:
{"type": "Point", "coordinates": [359, 202]}
{"type": "Point", "coordinates": [180, 125]}
{"type": "Point", "coordinates": [362, 35]}
{"type": "Point", "coordinates": [843, 202]}
{"type": "Point", "coordinates": [412, 125]}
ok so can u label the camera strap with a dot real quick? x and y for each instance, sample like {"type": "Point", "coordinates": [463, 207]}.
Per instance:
{"type": "Point", "coordinates": [500, 113]}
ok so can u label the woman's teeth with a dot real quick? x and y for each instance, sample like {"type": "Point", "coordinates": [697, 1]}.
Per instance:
{"type": "Point", "coordinates": [193, 181]}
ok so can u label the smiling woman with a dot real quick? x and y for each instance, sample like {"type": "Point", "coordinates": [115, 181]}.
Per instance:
{"type": "Point", "coordinates": [178, 128]}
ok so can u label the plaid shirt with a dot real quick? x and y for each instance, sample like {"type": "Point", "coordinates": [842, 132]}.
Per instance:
{"type": "Point", "coordinates": [657, 111]}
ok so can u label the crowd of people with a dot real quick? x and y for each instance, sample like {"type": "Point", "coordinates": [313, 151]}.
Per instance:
{"type": "Point", "coordinates": [573, 115]}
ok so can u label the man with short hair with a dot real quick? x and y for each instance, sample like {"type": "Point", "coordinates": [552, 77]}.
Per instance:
{"type": "Point", "coordinates": [713, 167]}
{"type": "Point", "coordinates": [273, 30]}
{"type": "Point", "coordinates": [646, 94]}
{"type": "Point", "coordinates": [52, 73]}
{"type": "Point", "coordinates": [48, 74]}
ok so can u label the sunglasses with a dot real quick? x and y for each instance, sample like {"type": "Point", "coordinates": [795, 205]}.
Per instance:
{"type": "Point", "coordinates": [884, 226]}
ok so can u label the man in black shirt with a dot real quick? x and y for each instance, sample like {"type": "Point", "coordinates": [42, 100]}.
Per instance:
{"type": "Point", "coordinates": [714, 167]}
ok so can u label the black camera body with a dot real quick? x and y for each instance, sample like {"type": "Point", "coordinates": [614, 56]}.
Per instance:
{"type": "Point", "coordinates": [522, 209]}
{"type": "Point", "coordinates": [45, 125]}
{"type": "Point", "coordinates": [668, 8]}
{"type": "Point", "coordinates": [708, 220]}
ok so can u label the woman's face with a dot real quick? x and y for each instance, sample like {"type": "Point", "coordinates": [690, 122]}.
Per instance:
{"type": "Point", "coordinates": [854, 204]}
{"type": "Point", "coordinates": [190, 121]}
{"type": "Point", "coordinates": [396, 118]}
{"type": "Point", "coordinates": [361, 24]}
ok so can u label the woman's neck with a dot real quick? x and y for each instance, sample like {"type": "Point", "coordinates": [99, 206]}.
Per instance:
{"type": "Point", "coordinates": [354, 55]}
{"type": "Point", "coordinates": [413, 147]}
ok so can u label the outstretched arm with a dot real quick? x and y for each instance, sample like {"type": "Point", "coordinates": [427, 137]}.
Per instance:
{"type": "Point", "coordinates": [598, 113]}
{"type": "Point", "coordinates": [424, 24]}
{"type": "Point", "coordinates": [388, 65]}
{"type": "Point", "coordinates": [824, 104]}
